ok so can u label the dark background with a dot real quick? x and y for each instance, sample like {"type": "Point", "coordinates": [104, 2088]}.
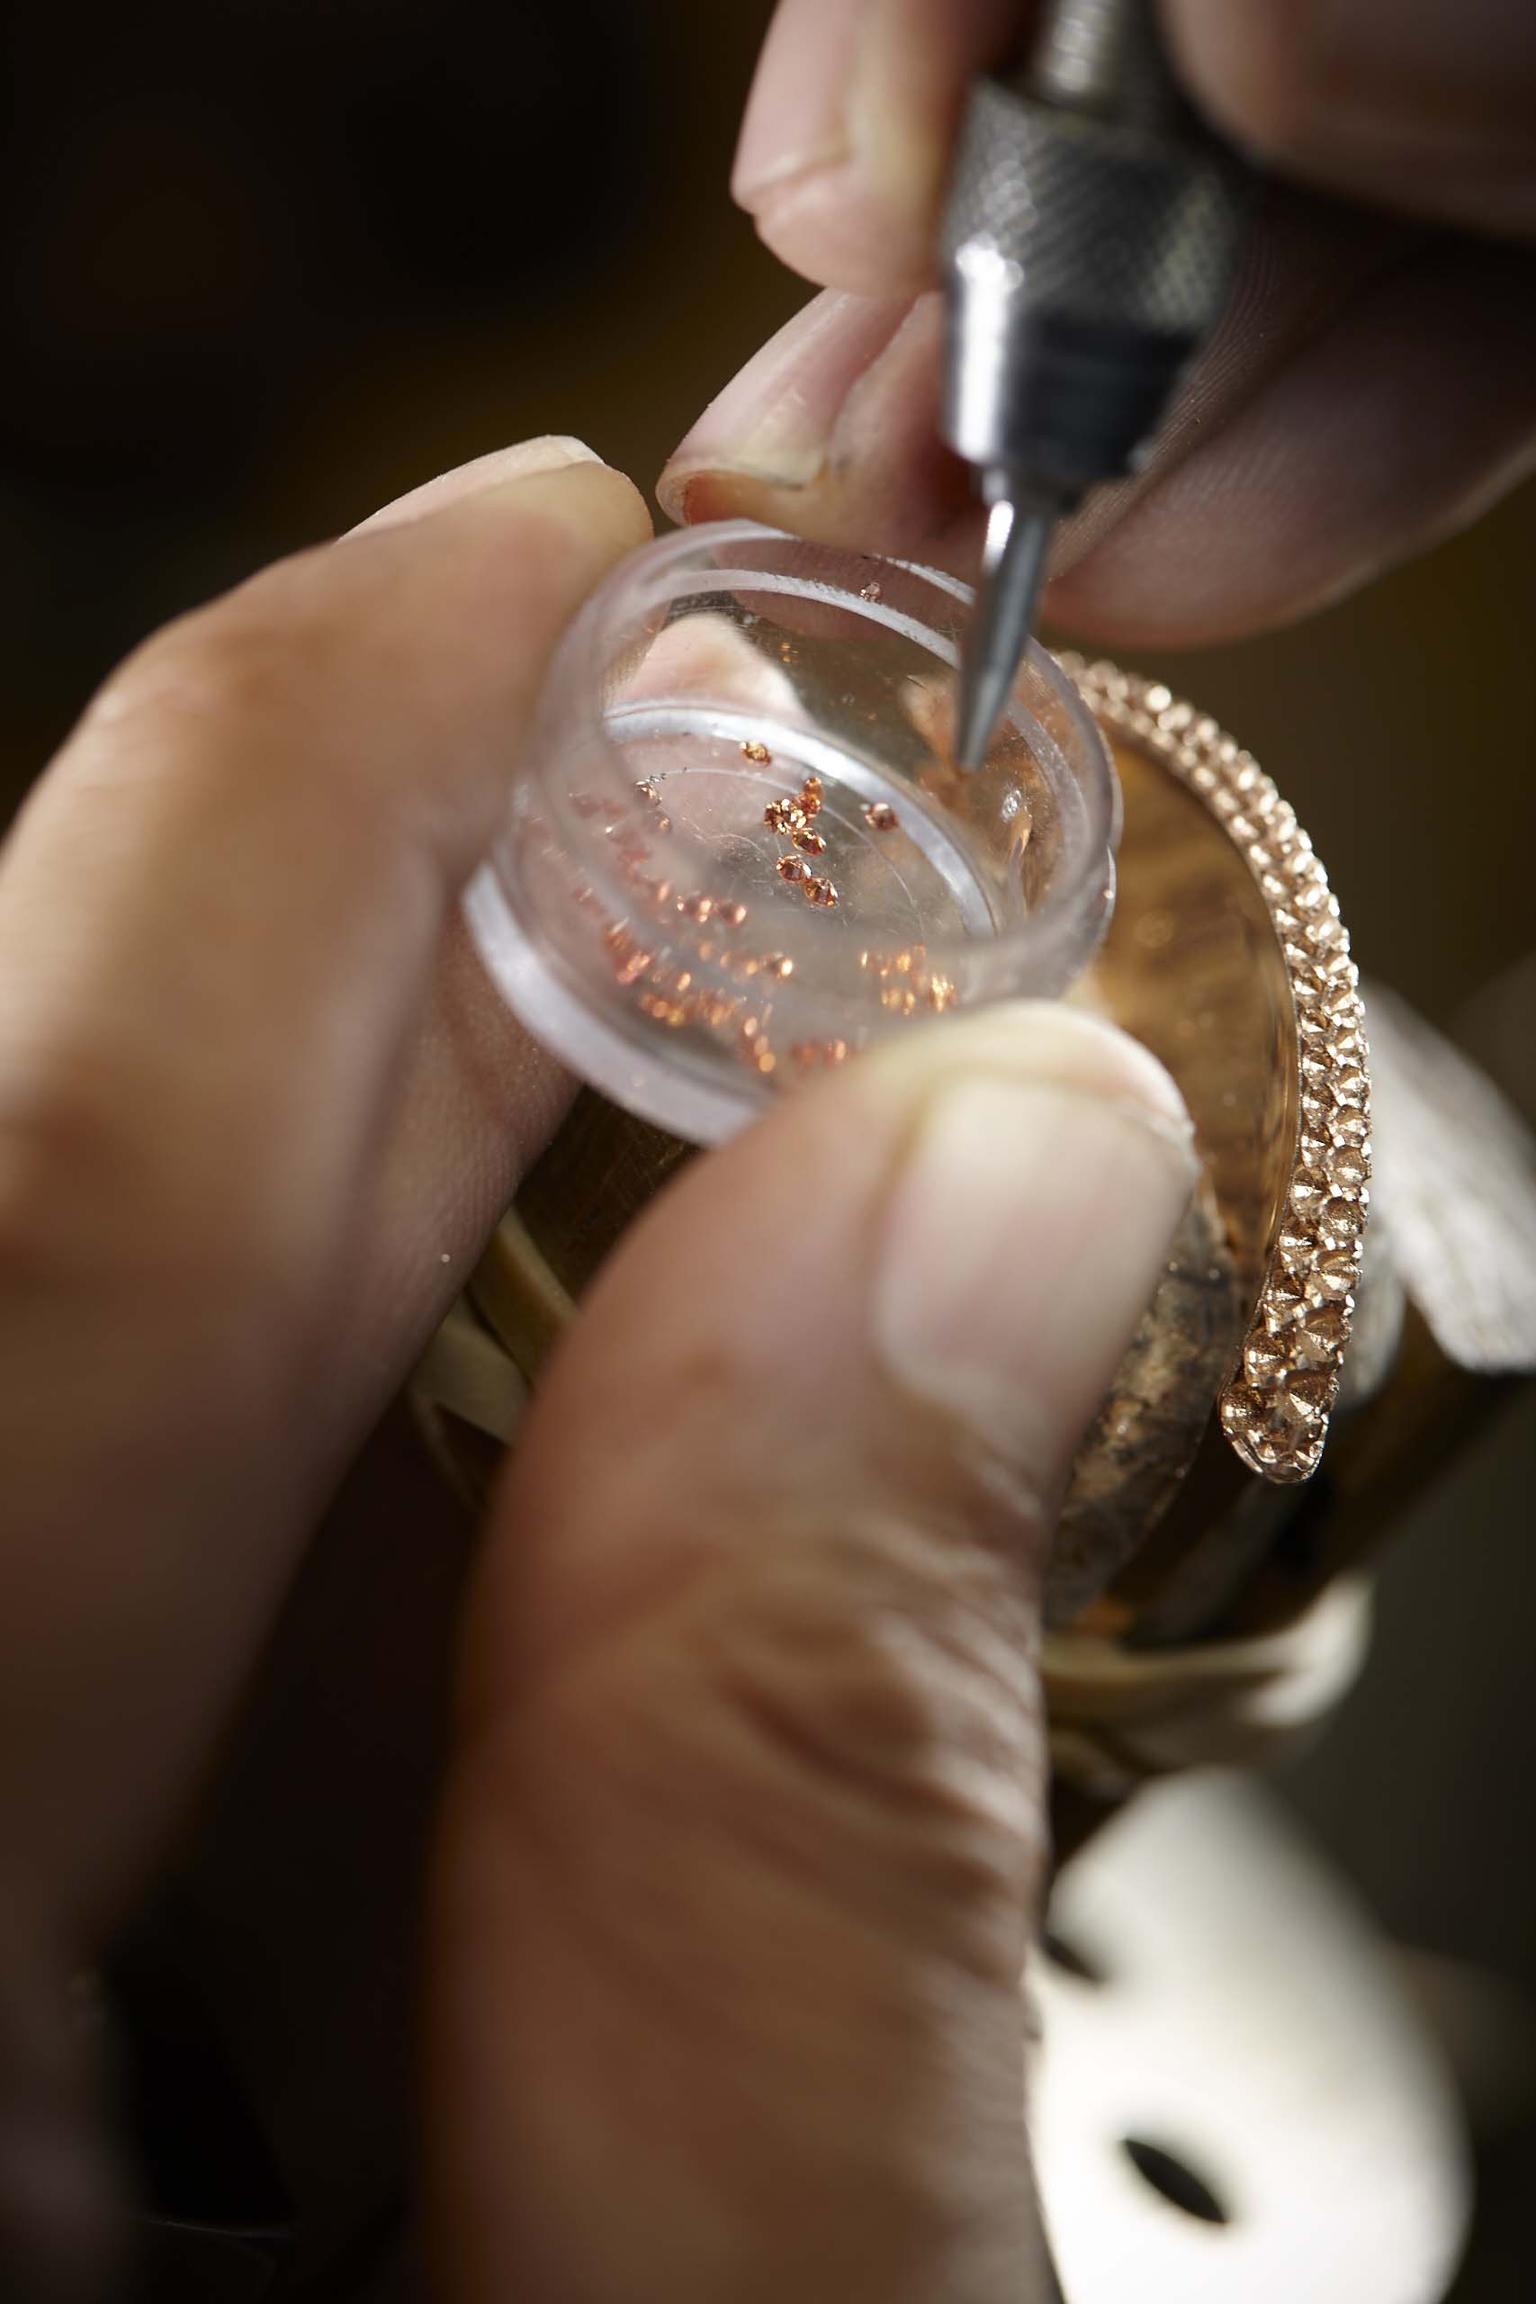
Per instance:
{"type": "Point", "coordinates": [274, 261]}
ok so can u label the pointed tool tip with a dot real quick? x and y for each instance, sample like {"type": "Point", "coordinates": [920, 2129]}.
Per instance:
{"type": "Point", "coordinates": [1012, 565]}
{"type": "Point", "coordinates": [974, 724]}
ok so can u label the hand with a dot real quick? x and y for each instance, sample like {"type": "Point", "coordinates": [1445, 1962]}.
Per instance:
{"type": "Point", "coordinates": [1372, 386]}
{"type": "Point", "coordinates": [742, 1840]}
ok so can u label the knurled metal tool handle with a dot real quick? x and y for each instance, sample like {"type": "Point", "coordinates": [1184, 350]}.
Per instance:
{"type": "Point", "coordinates": [1089, 244]}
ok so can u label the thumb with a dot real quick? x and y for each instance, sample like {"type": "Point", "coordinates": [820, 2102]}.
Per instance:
{"type": "Point", "coordinates": [745, 1831]}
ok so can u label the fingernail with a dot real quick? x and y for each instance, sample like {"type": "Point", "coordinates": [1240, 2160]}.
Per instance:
{"type": "Point", "coordinates": [845, 141]}
{"type": "Point", "coordinates": [1025, 1234]}
{"type": "Point", "coordinates": [775, 419]}
{"type": "Point", "coordinates": [793, 122]}
{"type": "Point", "coordinates": [550, 452]}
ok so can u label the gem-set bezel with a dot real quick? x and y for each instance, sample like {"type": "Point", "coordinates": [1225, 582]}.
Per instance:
{"type": "Point", "coordinates": [1276, 1404]}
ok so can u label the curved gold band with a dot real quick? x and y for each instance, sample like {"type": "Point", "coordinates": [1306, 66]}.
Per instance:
{"type": "Point", "coordinates": [1305, 1220]}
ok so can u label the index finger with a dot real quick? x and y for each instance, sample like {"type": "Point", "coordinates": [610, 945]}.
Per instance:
{"type": "Point", "coordinates": [219, 923]}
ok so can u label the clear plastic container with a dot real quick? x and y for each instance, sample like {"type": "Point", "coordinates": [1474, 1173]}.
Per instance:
{"type": "Point", "coordinates": [737, 850]}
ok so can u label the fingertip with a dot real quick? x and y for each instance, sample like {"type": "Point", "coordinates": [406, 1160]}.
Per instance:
{"type": "Point", "coordinates": [1044, 1040]}
{"type": "Point", "coordinates": [775, 1234]}
{"type": "Point", "coordinates": [845, 146]}
{"type": "Point", "coordinates": [777, 417]}
{"type": "Point", "coordinates": [794, 118]}
{"type": "Point", "coordinates": [829, 431]}
{"type": "Point", "coordinates": [539, 539]}
{"type": "Point", "coordinates": [830, 226]}
{"type": "Point", "coordinates": [600, 509]}
{"type": "Point", "coordinates": [548, 452]}
{"type": "Point", "coordinates": [752, 1656]}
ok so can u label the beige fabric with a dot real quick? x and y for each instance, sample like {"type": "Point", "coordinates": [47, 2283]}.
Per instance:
{"type": "Point", "coordinates": [1118, 1715]}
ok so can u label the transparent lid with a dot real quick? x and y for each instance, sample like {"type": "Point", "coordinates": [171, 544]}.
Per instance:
{"type": "Point", "coordinates": [737, 849]}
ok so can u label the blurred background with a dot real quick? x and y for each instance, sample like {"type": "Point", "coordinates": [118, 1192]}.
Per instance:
{"type": "Point", "coordinates": [273, 261]}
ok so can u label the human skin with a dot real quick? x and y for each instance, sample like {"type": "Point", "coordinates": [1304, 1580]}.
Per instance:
{"type": "Point", "coordinates": [741, 1837]}
{"type": "Point", "coordinates": [741, 1844]}
{"type": "Point", "coordinates": [1372, 387]}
